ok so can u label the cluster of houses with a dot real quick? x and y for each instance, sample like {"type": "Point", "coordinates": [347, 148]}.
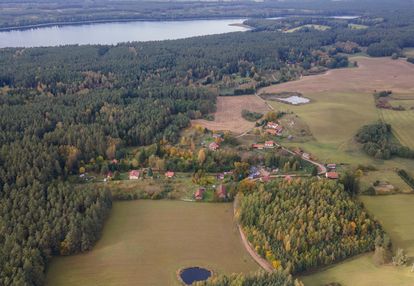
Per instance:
{"type": "Point", "coordinates": [274, 128]}
{"type": "Point", "coordinates": [221, 193]}
{"type": "Point", "coordinates": [267, 145]}
{"type": "Point", "coordinates": [136, 174]}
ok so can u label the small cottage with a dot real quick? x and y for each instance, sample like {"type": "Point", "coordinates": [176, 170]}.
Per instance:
{"type": "Point", "coordinates": [134, 175]}
{"type": "Point", "coordinates": [332, 175]}
{"type": "Point", "coordinates": [169, 174]}
{"type": "Point", "coordinates": [221, 192]}
{"type": "Point", "coordinates": [199, 194]}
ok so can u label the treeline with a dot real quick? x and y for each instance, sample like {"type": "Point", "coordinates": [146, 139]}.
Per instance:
{"type": "Point", "coordinates": [277, 278]}
{"type": "Point", "coordinates": [406, 177]}
{"type": "Point", "coordinates": [379, 143]}
{"type": "Point", "coordinates": [304, 224]}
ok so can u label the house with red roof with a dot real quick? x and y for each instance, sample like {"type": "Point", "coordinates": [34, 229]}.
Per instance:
{"type": "Point", "coordinates": [134, 175]}
{"type": "Point", "coordinates": [258, 146]}
{"type": "Point", "coordinates": [213, 146]}
{"type": "Point", "coordinates": [221, 192]}
{"type": "Point", "coordinates": [272, 125]}
{"type": "Point", "coordinates": [199, 194]}
{"type": "Point", "coordinates": [169, 174]}
{"type": "Point", "coordinates": [269, 144]}
{"type": "Point", "coordinates": [332, 175]}
{"type": "Point", "coordinates": [271, 131]}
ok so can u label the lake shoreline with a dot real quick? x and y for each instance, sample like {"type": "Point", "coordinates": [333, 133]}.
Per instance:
{"type": "Point", "coordinates": [109, 21]}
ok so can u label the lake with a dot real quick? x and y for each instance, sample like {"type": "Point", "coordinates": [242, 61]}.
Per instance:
{"type": "Point", "coordinates": [117, 32]}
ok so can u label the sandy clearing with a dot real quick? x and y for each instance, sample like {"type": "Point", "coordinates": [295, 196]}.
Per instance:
{"type": "Point", "coordinates": [371, 74]}
{"type": "Point", "coordinates": [228, 116]}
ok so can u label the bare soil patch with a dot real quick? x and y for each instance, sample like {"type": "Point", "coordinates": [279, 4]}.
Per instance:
{"type": "Point", "coordinates": [228, 116]}
{"type": "Point", "coordinates": [371, 74]}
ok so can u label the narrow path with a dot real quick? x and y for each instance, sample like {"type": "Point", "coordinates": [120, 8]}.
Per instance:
{"type": "Point", "coordinates": [263, 263]}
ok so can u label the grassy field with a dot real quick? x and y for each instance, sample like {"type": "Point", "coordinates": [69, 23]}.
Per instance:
{"type": "Point", "coordinates": [357, 27]}
{"type": "Point", "coordinates": [342, 102]}
{"type": "Point", "coordinates": [396, 214]}
{"type": "Point", "coordinates": [146, 242]}
{"type": "Point", "coordinates": [228, 115]}
{"type": "Point", "coordinates": [408, 52]}
{"type": "Point", "coordinates": [401, 122]}
{"type": "Point", "coordinates": [310, 26]}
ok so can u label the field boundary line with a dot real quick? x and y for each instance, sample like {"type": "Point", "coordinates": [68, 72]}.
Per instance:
{"type": "Point", "coordinates": [263, 263]}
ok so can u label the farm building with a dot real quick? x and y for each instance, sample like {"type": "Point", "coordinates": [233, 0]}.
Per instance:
{"type": "Point", "coordinates": [272, 125]}
{"type": "Point", "coordinates": [220, 176]}
{"type": "Point", "coordinates": [213, 146]}
{"type": "Point", "coordinates": [169, 174]}
{"type": "Point", "coordinates": [134, 175]}
{"type": "Point", "coordinates": [198, 195]}
{"type": "Point", "coordinates": [331, 166]}
{"type": "Point", "coordinates": [271, 132]}
{"type": "Point", "coordinates": [269, 144]}
{"type": "Point", "coordinates": [332, 175]}
{"type": "Point", "coordinates": [258, 146]}
{"type": "Point", "coordinates": [306, 156]}
{"type": "Point", "coordinates": [221, 192]}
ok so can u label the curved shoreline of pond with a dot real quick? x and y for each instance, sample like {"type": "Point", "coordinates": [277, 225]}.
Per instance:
{"type": "Point", "coordinates": [180, 271]}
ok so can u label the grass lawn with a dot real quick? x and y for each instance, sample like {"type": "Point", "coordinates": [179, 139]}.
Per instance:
{"type": "Point", "coordinates": [146, 242]}
{"type": "Point", "coordinates": [396, 214]}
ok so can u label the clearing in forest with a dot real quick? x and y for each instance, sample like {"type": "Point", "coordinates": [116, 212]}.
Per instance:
{"type": "Point", "coordinates": [146, 242]}
{"type": "Point", "coordinates": [228, 115]}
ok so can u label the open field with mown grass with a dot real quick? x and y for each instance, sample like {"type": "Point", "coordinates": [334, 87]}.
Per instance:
{"type": "Point", "coordinates": [396, 215]}
{"type": "Point", "coordinates": [146, 242]}
{"type": "Point", "coordinates": [402, 123]}
{"type": "Point", "coordinates": [342, 102]}
{"type": "Point", "coordinates": [408, 52]}
{"type": "Point", "coordinates": [228, 115]}
{"type": "Point", "coordinates": [309, 26]}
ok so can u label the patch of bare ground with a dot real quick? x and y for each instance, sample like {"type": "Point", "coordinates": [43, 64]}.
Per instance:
{"type": "Point", "coordinates": [228, 116]}
{"type": "Point", "coordinates": [371, 74]}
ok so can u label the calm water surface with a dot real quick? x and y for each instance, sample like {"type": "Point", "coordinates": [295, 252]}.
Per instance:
{"type": "Point", "coordinates": [113, 33]}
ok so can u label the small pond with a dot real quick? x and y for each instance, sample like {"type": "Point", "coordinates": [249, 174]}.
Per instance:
{"type": "Point", "coordinates": [193, 274]}
{"type": "Point", "coordinates": [295, 100]}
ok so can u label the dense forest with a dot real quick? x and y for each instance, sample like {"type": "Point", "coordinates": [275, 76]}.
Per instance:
{"type": "Point", "coordinates": [378, 142]}
{"type": "Point", "coordinates": [277, 278]}
{"type": "Point", "coordinates": [277, 216]}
